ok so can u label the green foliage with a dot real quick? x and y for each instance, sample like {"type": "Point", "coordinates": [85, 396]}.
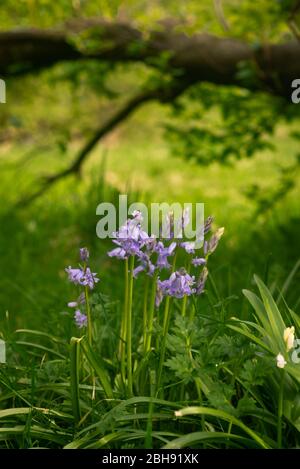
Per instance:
{"type": "Point", "coordinates": [211, 123]}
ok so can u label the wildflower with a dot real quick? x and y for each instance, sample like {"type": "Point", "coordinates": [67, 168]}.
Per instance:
{"type": "Point", "coordinates": [119, 253]}
{"type": "Point", "coordinates": [182, 222]}
{"type": "Point", "coordinates": [82, 277]}
{"type": "Point", "coordinates": [178, 285]}
{"type": "Point", "coordinates": [198, 261]}
{"type": "Point", "coordinates": [207, 224]}
{"type": "Point", "coordinates": [289, 337]}
{"type": "Point", "coordinates": [80, 319]}
{"type": "Point", "coordinates": [201, 281]}
{"type": "Point", "coordinates": [137, 215]}
{"type": "Point", "coordinates": [130, 238]}
{"type": "Point", "coordinates": [280, 361]}
{"type": "Point", "coordinates": [75, 275]}
{"type": "Point", "coordinates": [168, 226]}
{"type": "Point", "coordinates": [211, 245]}
{"type": "Point", "coordinates": [189, 246]}
{"type": "Point", "coordinates": [89, 279]}
{"type": "Point", "coordinates": [145, 265]}
{"type": "Point", "coordinates": [137, 270]}
{"type": "Point", "coordinates": [163, 254]}
{"type": "Point", "coordinates": [84, 254]}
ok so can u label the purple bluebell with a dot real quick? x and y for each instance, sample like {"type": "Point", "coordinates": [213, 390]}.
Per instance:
{"type": "Point", "coordinates": [211, 245]}
{"type": "Point", "coordinates": [82, 277]}
{"type": "Point", "coordinates": [89, 279]}
{"type": "Point", "coordinates": [181, 223]}
{"type": "Point", "coordinates": [198, 261]}
{"type": "Point", "coordinates": [84, 254]}
{"type": "Point", "coordinates": [200, 284]}
{"type": "Point", "coordinates": [179, 284]}
{"type": "Point", "coordinates": [145, 264]}
{"type": "Point", "coordinates": [163, 254]}
{"type": "Point", "coordinates": [75, 275]}
{"type": "Point", "coordinates": [130, 238]}
{"type": "Point", "coordinates": [188, 246]}
{"type": "Point", "coordinates": [207, 224]}
{"type": "Point", "coordinates": [80, 319]}
{"type": "Point", "coordinates": [119, 253]}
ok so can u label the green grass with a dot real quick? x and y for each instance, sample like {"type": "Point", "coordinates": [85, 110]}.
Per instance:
{"type": "Point", "coordinates": [219, 374]}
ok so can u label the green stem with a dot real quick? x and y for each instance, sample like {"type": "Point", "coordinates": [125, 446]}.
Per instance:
{"type": "Point", "coordinates": [183, 306]}
{"type": "Point", "coordinates": [184, 300]}
{"type": "Point", "coordinates": [145, 312]}
{"type": "Point", "coordinates": [88, 313]}
{"type": "Point", "coordinates": [166, 323]}
{"type": "Point", "coordinates": [122, 348]}
{"type": "Point", "coordinates": [167, 316]}
{"type": "Point", "coordinates": [151, 315]}
{"type": "Point", "coordinates": [280, 411]}
{"type": "Point", "coordinates": [129, 327]}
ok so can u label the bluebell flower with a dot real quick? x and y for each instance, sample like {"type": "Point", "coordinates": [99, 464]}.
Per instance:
{"type": "Point", "coordinates": [130, 238]}
{"type": "Point", "coordinates": [80, 319]}
{"type": "Point", "coordinates": [188, 246]}
{"type": "Point", "coordinates": [211, 245]}
{"type": "Point", "coordinates": [179, 284]}
{"type": "Point", "coordinates": [84, 254]}
{"type": "Point", "coordinates": [75, 275]}
{"type": "Point", "coordinates": [82, 277]}
{"type": "Point", "coordinates": [207, 224]}
{"type": "Point", "coordinates": [198, 261]}
{"type": "Point", "coordinates": [163, 254]}
{"type": "Point", "coordinates": [201, 281]}
{"type": "Point", "coordinates": [89, 279]}
{"type": "Point", "coordinates": [119, 253]}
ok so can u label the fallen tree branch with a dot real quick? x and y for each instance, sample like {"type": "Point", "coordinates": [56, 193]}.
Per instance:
{"type": "Point", "coordinates": [203, 57]}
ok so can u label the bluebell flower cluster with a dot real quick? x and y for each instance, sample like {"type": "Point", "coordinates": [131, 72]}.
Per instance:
{"type": "Point", "coordinates": [154, 254]}
{"type": "Point", "coordinates": [84, 277]}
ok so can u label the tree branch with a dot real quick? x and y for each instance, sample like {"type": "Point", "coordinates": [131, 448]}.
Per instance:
{"type": "Point", "coordinates": [203, 57]}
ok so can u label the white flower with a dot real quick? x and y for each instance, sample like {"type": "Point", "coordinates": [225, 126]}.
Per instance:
{"type": "Point", "coordinates": [280, 361]}
{"type": "Point", "coordinates": [289, 337]}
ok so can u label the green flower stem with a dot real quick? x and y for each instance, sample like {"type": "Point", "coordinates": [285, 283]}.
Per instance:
{"type": "Point", "coordinates": [167, 316]}
{"type": "Point", "coordinates": [88, 313]}
{"type": "Point", "coordinates": [145, 312]}
{"type": "Point", "coordinates": [184, 300]}
{"type": "Point", "coordinates": [122, 345]}
{"type": "Point", "coordinates": [129, 327]}
{"type": "Point", "coordinates": [280, 410]}
{"type": "Point", "coordinates": [150, 315]}
{"type": "Point", "coordinates": [166, 323]}
{"type": "Point", "coordinates": [183, 306]}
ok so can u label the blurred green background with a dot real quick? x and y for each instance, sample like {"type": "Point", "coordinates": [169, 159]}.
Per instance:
{"type": "Point", "coordinates": [247, 175]}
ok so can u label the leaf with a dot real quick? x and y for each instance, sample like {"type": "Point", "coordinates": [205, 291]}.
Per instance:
{"type": "Point", "coordinates": [224, 416]}
{"type": "Point", "coordinates": [74, 376]}
{"type": "Point", "coordinates": [99, 367]}
{"type": "Point", "coordinates": [196, 437]}
{"type": "Point", "coordinates": [273, 313]}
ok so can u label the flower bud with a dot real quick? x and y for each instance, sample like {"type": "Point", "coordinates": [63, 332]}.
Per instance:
{"type": "Point", "coordinates": [289, 337]}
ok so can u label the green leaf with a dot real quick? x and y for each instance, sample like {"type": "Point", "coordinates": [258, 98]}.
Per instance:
{"type": "Point", "coordinates": [273, 313]}
{"type": "Point", "coordinates": [197, 437]}
{"type": "Point", "coordinates": [74, 376]}
{"type": "Point", "coordinates": [99, 367]}
{"type": "Point", "coordinates": [224, 416]}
